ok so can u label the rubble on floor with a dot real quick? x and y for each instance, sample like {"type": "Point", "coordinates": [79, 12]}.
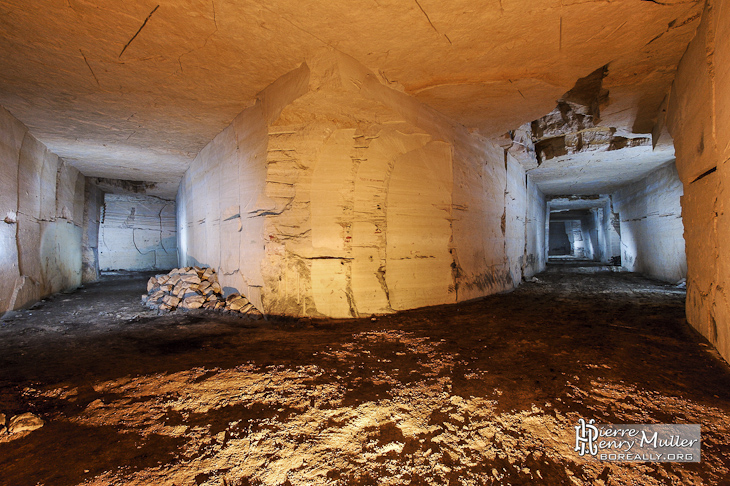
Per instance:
{"type": "Point", "coordinates": [193, 288]}
{"type": "Point", "coordinates": [18, 426]}
{"type": "Point", "coordinates": [24, 422]}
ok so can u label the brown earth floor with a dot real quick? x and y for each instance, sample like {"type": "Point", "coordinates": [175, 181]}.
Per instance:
{"type": "Point", "coordinates": [485, 392]}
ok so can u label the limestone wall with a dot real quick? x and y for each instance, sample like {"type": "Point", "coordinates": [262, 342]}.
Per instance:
{"type": "Point", "coordinates": [137, 233]}
{"type": "Point", "coordinates": [222, 202]}
{"type": "Point", "coordinates": [652, 240]}
{"type": "Point", "coordinates": [594, 234]}
{"type": "Point", "coordinates": [335, 195]}
{"type": "Point", "coordinates": [698, 119]}
{"type": "Point", "coordinates": [535, 238]}
{"type": "Point", "coordinates": [41, 206]}
{"type": "Point", "coordinates": [589, 237]}
{"type": "Point", "coordinates": [94, 201]}
{"type": "Point", "coordinates": [607, 222]}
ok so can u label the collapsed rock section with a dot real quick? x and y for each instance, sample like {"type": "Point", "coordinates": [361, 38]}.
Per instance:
{"type": "Point", "coordinates": [573, 127]}
{"type": "Point", "coordinates": [193, 288]}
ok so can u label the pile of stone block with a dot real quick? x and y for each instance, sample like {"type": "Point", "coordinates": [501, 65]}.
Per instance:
{"type": "Point", "coordinates": [18, 426]}
{"type": "Point", "coordinates": [193, 288]}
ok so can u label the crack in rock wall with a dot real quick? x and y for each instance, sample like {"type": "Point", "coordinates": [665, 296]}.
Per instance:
{"type": "Point", "coordinates": [698, 118]}
{"type": "Point", "coordinates": [42, 206]}
{"type": "Point", "coordinates": [337, 196]}
{"type": "Point", "coordinates": [137, 233]}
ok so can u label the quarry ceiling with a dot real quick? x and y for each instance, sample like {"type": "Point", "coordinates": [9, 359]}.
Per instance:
{"type": "Point", "coordinates": [133, 90]}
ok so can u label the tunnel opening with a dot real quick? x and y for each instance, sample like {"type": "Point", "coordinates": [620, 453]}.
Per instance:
{"type": "Point", "coordinates": [612, 195]}
{"type": "Point", "coordinates": [568, 240]}
{"type": "Point", "coordinates": [560, 242]}
{"type": "Point", "coordinates": [582, 227]}
{"type": "Point", "coordinates": [581, 231]}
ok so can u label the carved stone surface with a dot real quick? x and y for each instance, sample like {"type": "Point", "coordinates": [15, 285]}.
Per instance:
{"type": "Point", "coordinates": [699, 120]}
{"type": "Point", "coordinates": [41, 205]}
{"type": "Point", "coordinates": [350, 198]}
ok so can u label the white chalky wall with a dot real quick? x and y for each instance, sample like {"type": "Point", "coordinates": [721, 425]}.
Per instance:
{"type": "Point", "coordinates": [652, 240]}
{"type": "Point", "coordinates": [698, 117]}
{"type": "Point", "coordinates": [137, 233]}
{"type": "Point", "coordinates": [337, 196]}
{"type": "Point", "coordinates": [42, 211]}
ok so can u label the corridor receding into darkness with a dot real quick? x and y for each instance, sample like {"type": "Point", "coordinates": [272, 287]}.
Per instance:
{"type": "Point", "coordinates": [368, 242]}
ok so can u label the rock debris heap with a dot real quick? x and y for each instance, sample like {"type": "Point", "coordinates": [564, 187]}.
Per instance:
{"type": "Point", "coordinates": [193, 288]}
{"type": "Point", "coordinates": [18, 426]}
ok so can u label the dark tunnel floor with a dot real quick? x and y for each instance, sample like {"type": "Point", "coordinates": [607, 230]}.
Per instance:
{"type": "Point", "coordinates": [485, 392]}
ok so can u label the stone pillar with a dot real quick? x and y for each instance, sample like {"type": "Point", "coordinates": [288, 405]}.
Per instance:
{"type": "Point", "coordinates": [93, 201]}
{"type": "Point", "coordinates": [338, 196]}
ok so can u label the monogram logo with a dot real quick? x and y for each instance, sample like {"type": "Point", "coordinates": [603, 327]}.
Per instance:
{"type": "Point", "coordinates": [586, 435]}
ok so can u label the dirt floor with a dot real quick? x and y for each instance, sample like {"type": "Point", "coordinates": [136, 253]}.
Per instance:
{"type": "Point", "coordinates": [485, 392]}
